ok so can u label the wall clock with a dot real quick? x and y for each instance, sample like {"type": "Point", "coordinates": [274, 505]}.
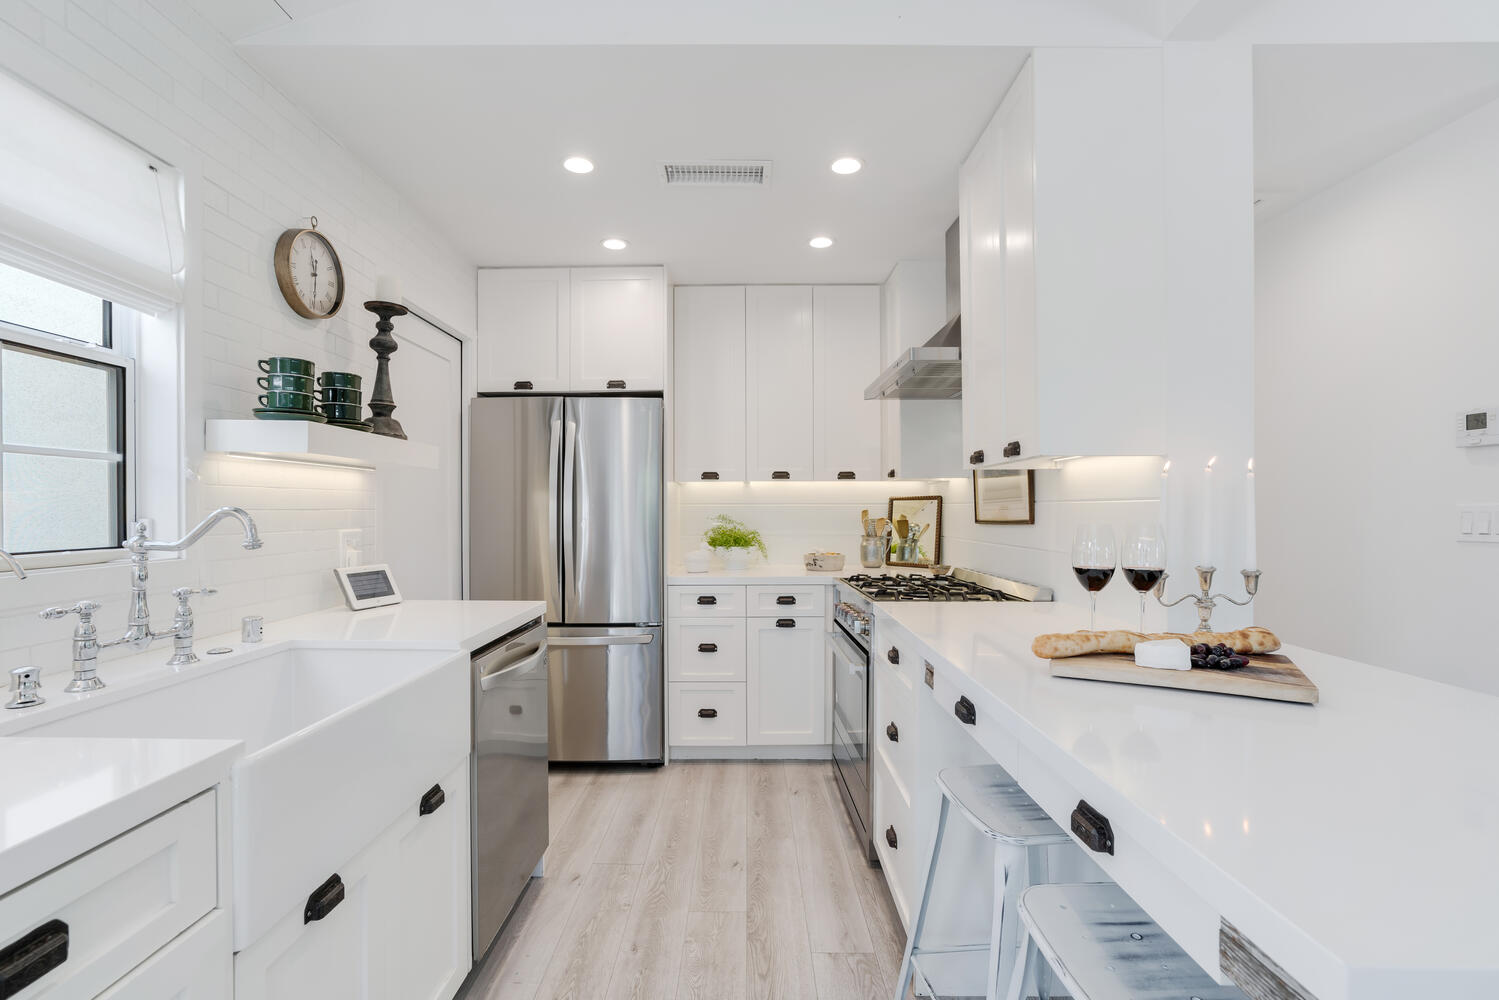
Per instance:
{"type": "Point", "coordinates": [309, 273]}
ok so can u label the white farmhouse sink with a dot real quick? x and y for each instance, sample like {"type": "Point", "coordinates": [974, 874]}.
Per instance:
{"type": "Point", "coordinates": [339, 739]}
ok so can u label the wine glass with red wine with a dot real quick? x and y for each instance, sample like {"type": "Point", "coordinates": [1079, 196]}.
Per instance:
{"type": "Point", "coordinates": [1093, 560]}
{"type": "Point", "coordinates": [1144, 560]}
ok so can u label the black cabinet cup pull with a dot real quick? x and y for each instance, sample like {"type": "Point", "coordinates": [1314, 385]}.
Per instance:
{"type": "Point", "coordinates": [707, 713]}
{"type": "Point", "coordinates": [707, 647]}
{"type": "Point", "coordinates": [890, 837]}
{"type": "Point", "coordinates": [707, 599]}
{"type": "Point", "coordinates": [780, 475]}
{"type": "Point", "coordinates": [615, 383]}
{"type": "Point", "coordinates": [892, 734]}
{"type": "Point", "coordinates": [976, 458]}
{"type": "Point", "coordinates": [965, 712]}
{"type": "Point", "coordinates": [890, 474]}
{"type": "Point", "coordinates": [1012, 450]}
{"type": "Point", "coordinates": [521, 386]}
{"type": "Point", "coordinates": [710, 475]}
{"type": "Point", "coordinates": [25, 961]}
{"type": "Point", "coordinates": [786, 599]}
{"type": "Point", "coordinates": [785, 623]}
{"type": "Point", "coordinates": [324, 900]}
{"type": "Point", "coordinates": [846, 475]}
{"type": "Point", "coordinates": [1092, 828]}
{"type": "Point", "coordinates": [893, 655]}
{"type": "Point", "coordinates": [435, 797]}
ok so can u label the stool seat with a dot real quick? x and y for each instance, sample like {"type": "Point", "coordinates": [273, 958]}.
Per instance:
{"type": "Point", "coordinates": [990, 799]}
{"type": "Point", "coordinates": [1104, 947]}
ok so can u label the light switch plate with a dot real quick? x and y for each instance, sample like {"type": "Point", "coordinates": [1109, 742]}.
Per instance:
{"type": "Point", "coordinates": [350, 547]}
{"type": "Point", "coordinates": [1478, 522]}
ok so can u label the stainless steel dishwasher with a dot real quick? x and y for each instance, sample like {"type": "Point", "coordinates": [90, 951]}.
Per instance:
{"type": "Point", "coordinates": [509, 773]}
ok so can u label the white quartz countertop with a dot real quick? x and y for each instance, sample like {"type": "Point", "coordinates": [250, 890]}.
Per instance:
{"type": "Point", "coordinates": [1353, 840]}
{"type": "Point", "coordinates": [62, 797]}
{"type": "Point", "coordinates": [767, 575]}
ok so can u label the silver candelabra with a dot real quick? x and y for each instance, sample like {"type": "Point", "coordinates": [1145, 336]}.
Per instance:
{"type": "Point", "coordinates": [1206, 599]}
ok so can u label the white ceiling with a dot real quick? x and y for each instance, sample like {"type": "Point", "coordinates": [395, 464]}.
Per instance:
{"type": "Point", "coordinates": [475, 138]}
{"type": "Point", "coordinates": [1324, 112]}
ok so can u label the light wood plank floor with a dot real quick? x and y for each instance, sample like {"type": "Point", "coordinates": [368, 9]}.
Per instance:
{"type": "Point", "coordinates": [698, 881]}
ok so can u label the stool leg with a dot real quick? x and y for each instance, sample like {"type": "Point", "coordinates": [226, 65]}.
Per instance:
{"type": "Point", "coordinates": [1009, 881]}
{"type": "Point", "coordinates": [914, 938]}
{"type": "Point", "coordinates": [1028, 966]}
{"type": "Point", "coordinates": [1039, 875]}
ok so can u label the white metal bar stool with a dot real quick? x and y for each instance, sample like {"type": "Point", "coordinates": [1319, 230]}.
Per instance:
{"type": "Point", "coordinates": [1102, 946]}
{"type": "Point", "coordinates": [988, 798]}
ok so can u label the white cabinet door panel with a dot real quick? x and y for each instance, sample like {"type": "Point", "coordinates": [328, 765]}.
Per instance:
{"type": "Point", "coordinates": [197, 965]}
{"type": "Point", "coordinates": [706, 715]}
{"type": "Point", "coordinates": [706, 649]}
{"type": "Point", "coordinates": [846, 358]}
{"type": "Point", "coordinates": [525, 329]}
{"type": "Point", "coordinates": [779, 382]}
{"type": "Point", "coordinates": [618, 329]}
{"type": "Point", "coordinates": [981, 249]}
{"type": "Point", "coordinates": [710, 382]}
{"type": "Point", "coordinates": [429, 955]}
{"type": "Point", "coordinates": [787, 687]}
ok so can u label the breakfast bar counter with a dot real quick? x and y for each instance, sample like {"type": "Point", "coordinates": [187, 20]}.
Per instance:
{"type": "Point", "coordinates": [1351, 842]}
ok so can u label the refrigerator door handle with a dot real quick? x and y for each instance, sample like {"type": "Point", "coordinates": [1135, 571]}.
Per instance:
{"type": "Point", "coordinates": [554, 508]}
{"type": "Point", "coordinates": [569, 514]}
{"type": "Point", "coordinates": [602, 640]}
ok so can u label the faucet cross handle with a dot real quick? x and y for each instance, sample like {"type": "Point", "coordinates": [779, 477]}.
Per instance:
{"type": "Point", "coordinates": [83, 609]}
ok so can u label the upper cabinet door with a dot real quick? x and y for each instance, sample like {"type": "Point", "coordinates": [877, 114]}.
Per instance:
{"type": "Point", "coordinates": [779, 381]}
{"type": "Point", "coordinates": [524, 329]}
{"type": "Point", "coordinates": [709, 376]}
{"type": "Point", "coordinates": [981, 251]}
{"type": "Point", "coordinates": [1018, 427]}
{"type": "Point", "coordinates": [846, 358]}
{"type": "Point", "coordinates": [618, 329]}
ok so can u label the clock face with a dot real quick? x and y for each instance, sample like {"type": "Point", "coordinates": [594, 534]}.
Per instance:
{"type": "Point", "coordinates": [309, 273]}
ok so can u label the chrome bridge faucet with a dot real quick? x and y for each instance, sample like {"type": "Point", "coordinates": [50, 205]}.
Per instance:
{"type": "Point", "coordinates": [138, 633]}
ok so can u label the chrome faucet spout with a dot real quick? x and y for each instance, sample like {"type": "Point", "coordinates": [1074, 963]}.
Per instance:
{"type": "Point", "coordinates": [137, 543]}
{"type": "Point", "coordinates": [14, 566]}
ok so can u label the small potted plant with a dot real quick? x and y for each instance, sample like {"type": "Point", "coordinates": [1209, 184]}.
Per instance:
{"type": "Point", "coordinates": [733, 539]}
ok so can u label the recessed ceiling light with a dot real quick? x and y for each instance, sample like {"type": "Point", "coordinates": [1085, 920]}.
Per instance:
{"type": "Point", "coordinates": [847, 165]}
{"type": "Point", "coordinates": [578, 165]}
{"type": "Point", "coordinates": [614, 243]}
{"type": "Point", "coordinates": [820, 242]}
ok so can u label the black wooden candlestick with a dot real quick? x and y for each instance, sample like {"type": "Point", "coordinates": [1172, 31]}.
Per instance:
{"type": "Point", "coordinates": [384, 345]}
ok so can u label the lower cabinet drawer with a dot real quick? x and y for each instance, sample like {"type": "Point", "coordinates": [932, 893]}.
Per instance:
{"type": "Point", "coordinates": [120, 902]}
{"type": "Point", "coordinates": [198, 965]}
{"type": "Point", "coordinates": [800, 599]}
{"type": "Point", "coordinates": [893, 735]}
{"type": "Point", "coordinates": [704, 602]}
{"type": "Point", "coordinates": [895, 821]}
{"type": "Point", "coordinates": [706, 649]}
{"type": "Point", "coordinates": [705, 715]}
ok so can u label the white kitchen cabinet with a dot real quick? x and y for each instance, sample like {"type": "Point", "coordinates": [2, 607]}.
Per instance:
{"type": "Point", "coordinates": [706, 714]}
{"type": "Point", "coordinates": [1061, 204]}
{"type": "Point", "coordinates": [618, 329]}
{"type": "Point", "coordinates": [710, 382]}
{"type": "Point", "coordinates": [706, 649]}
{"type": "Point", "coordinates": [845, 359]}
{"type": "Point", "coordinates": [588, 329]}
{"type": "Point", "coordinates": [525, 329]}
{"type": "Point", "coordinates": [920, 438]}
{"type": "Point", "coordinates": [401, 930]}
{"type": "Point", "coordinates": [787, 681]}
{"type": "Point", "coordinates": [197, 965]}
{"type": "Point", "coordinates": [779, 382]}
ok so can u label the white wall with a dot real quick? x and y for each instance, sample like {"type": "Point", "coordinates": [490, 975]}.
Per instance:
{"type": "Point", "coordinates": [157, 73]}
{"type": "Point", "coordinates": [1377, 320]}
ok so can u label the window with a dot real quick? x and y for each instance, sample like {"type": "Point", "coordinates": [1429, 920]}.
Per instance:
{"type": "Point", "coordinates": [65, 392]}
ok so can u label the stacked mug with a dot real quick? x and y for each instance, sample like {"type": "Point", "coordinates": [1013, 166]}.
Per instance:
{"type": "Point", "coordinates": [342, 400]}
{"type": "Point", "coordinates": [294, 391]}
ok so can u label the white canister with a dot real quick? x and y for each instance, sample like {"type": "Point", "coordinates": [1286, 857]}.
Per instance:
{"type": "Point", "coordinates": [697, 561]}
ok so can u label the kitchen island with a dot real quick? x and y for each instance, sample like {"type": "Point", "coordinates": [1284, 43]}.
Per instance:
{"type": "Point", "coordinates": [1351, 842]}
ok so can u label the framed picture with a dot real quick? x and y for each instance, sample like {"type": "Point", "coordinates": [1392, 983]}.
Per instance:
{"type": "Point", "coordinates": [1004, 496]}
{"type": "Point", "coordinates": [921, 545]}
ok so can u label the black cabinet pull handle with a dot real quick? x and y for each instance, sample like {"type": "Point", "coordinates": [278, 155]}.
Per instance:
{"type": "Point", "coordinates": [976, 457]}
{"type": "Point", "coordinates": [324, 900]}
{"type": "Point", "coordinates": [892, 734]}
{"type": "Point", "coordinates": [707, 713]}
{"type": "Point", "coordinates": [707, 647]}
{"type": "Point", "coordinates": [785, 623]}
{"type": "Point", "coordinates": [780, 475]}
{"type": "Point", "coordinates": [786, 599]}
{"type": "Point", "coordinates": [709, 475]}
{"type": "Point", "coordinates": [615, 383]}
{"type": "Point", "coordinates": [707, 599]}
{"type": "Point", "coordinates": [965, 712]}
{"type": "Point", "coordinates": [890, 474]}
{"type": "Point", "coordinates": [519, 386]}
{"type": "Point", "coordinates": [515, 710]}
{"type": "Point", "coordinates": [435, 797]}
{"type": "Point", "coordinates": [893, 655]}
{"type": "Point", "coordinates": [32, 957]}
{"type": "Point", "coordinates": [891, 838]}
{"type": "Point", "coordinates": [847, 475]}
{"type": "Point", "coordinates": [1092, 828]}
{"type": "Point", "coordinates": [1012, 450]}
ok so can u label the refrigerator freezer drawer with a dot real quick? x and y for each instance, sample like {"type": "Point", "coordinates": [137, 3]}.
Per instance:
{"type": "Point", "coordinates": [606, 688]}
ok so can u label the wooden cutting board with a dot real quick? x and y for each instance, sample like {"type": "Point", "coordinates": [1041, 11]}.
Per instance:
{"type": "Point", "coordinates": [1269, 676]}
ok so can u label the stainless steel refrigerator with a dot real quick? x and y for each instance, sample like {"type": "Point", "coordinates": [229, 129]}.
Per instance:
{"type": "Point", "coordinates": [566, 507]}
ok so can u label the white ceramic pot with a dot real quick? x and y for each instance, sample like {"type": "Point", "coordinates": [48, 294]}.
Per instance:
{"type": "Point", "coordinates": [736, 558]}
{"type": "Point", "coordinates": [697, 561]}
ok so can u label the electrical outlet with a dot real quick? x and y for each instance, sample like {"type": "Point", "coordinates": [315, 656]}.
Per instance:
{"type": "Point", "coordinates": [350, 547]}
{"type": "Point", "coordinates": [1478, 522]}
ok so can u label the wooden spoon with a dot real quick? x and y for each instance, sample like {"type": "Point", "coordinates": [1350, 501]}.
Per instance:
{"type": "Point", "coordinates": [902, 526]}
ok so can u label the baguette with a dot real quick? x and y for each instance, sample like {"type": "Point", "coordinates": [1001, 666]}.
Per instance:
{"type": "Point", "coordinates": [1055, 646]}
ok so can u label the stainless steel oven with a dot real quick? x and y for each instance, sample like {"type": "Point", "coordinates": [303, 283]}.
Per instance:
{"type": "Point", "coordinates": [849, 643]}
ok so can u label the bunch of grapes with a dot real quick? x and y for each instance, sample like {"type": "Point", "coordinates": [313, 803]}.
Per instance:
{"type": "Point", "coordinates": [1218, 657]}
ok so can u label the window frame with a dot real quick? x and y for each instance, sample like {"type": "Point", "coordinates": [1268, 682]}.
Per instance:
{"type": "Point", "coordinates": [120, 330]}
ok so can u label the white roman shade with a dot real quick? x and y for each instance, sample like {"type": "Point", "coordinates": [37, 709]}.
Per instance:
{"type": "Point", "coordinates": [80, 205]}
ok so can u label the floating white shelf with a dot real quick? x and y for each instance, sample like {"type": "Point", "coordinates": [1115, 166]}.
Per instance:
{"type": "Point", "coordinates": [308, 441]}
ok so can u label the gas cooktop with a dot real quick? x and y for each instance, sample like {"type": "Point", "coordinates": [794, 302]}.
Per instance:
{"type": "Point", "coordinates": [962, 585]}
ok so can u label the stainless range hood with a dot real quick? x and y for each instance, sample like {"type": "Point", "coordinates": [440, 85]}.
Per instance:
{"type": "Point", "coordinates": [935, 369]}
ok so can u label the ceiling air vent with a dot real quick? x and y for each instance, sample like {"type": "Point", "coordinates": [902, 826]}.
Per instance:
{"type": "Point", "coordinates": [716, 173]}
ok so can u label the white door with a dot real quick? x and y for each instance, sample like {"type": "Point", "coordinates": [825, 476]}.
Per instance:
{"type": "Point", "coordinates": [981, 242]}
{"type": "Point", "coordinates": [787, 685]}
{"type": "Point", "coordinates": [525, 329]}
{"type": "Point", "coordinates": [846, 358]}
{"type": "Point", "coordinates": [420, 514]}
{"type": "Point", "coordinates": [778, 381]}
{"type": "Point", "coordinates": [709, 375]}
{"type": "Point", "coordinates": [618, 329]}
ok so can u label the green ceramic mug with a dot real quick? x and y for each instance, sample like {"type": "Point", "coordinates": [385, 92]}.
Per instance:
{"type": "Point", "coordinates": [333, 394]}
{"type": "Point", "coordinates": [348, 413]}
{"type": "Point", "coordinates": [287, 366]}
{"type": "Point", "coordinates": [276, 400]}
{"type": "Point", "coordinates": [286, 383]}
{"type": "Point", "coordinates": [340, 380]}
